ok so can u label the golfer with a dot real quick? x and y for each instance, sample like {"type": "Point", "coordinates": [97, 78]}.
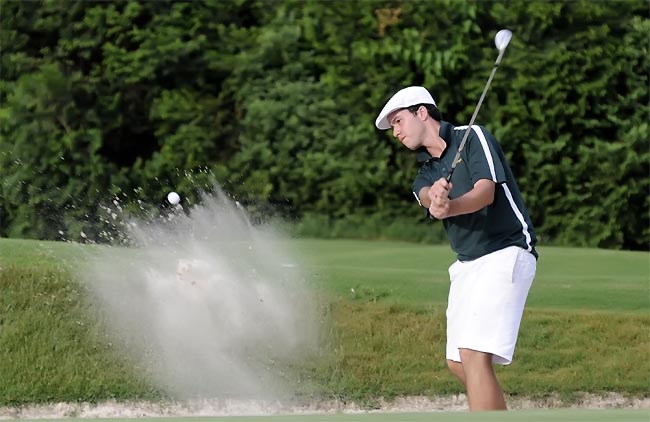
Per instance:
{"type": "Point", "coordinates": [488, 228]}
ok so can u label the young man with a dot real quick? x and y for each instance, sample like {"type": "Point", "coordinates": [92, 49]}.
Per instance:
{"type": "Point", "coordinates": [489, 229]}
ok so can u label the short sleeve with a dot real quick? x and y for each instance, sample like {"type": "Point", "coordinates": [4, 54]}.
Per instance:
{"type": "Point", "coordinates": [483, 157]}
{"type": "Point", "coordinates": [422, 180]}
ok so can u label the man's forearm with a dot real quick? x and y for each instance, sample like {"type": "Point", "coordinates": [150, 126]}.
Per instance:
{"type": "Point", "coordinates": [442, 207]}
{"type": "Point", "coordinates": [424, 197]}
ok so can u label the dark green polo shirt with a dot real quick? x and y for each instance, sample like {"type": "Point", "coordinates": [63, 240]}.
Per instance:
{"type": "Point", "coordinates": [503, 223]}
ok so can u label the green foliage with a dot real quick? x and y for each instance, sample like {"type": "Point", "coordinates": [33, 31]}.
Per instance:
{"type": "Point", "coordinates": [276, 101]}
{"type": "Point", "coordinates": [49, 158]}
{"type": "Point", "coordinates": [574, 121]}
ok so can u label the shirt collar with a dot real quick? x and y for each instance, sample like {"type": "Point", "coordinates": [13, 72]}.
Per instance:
{"type": "Point", "coordinates": [445, 133]}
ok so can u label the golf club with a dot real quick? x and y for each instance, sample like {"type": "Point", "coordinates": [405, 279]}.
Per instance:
{"type": "Point", "coordinates": [501, 41]}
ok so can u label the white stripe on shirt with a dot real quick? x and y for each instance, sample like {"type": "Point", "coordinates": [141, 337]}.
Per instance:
{"type": "Point", "coordinates": [485, 146]}
{"type": "Point", "coordinates": [486, 151]}
{"type": "Point", "coordinates": [519, 216]}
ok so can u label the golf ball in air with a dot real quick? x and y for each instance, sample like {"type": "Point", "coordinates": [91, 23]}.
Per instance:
{"type": "Point", "coordinates": [173, 198]}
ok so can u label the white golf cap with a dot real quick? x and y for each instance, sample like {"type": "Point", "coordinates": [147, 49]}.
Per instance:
{"type": "Point", "coordinates": [404, 98]}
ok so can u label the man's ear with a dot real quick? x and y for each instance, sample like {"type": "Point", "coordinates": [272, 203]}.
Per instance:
{"type": "Point", "coordinates": [422, 113]}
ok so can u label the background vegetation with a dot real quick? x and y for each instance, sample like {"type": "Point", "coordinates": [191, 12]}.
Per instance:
{"type": "Point", "coordinates": [585, 329]}
{"type": "Point", "coordinates": [275, 100]}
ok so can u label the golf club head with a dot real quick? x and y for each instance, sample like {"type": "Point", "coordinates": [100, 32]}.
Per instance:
{"type": "Point", "coordinates": [502, 39]}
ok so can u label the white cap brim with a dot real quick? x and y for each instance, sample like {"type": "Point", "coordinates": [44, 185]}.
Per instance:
{"type": "Point", "coordinates": [404, 98]}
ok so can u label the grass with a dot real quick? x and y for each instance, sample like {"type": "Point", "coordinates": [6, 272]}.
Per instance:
{"type": "Point", "coordinates": [586, 327]}
{"type": "Point", "coordinates": [392, 351]}
{"type": "Point", "coordinates": [416, 275]}
{"type": "Point", "coordinates": [49, 347]}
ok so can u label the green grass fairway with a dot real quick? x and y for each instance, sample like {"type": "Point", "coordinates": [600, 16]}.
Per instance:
{"type": "Point", "coordinates": [564, 415]}
{"type": "Point", "coordinates": [414, 274]}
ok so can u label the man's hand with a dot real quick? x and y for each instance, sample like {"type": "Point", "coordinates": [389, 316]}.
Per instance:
{"type": "Point", "coordinates": [439, 196]}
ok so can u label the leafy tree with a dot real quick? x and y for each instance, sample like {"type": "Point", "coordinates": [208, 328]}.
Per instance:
{"type": "Point", "coordinates": [573, 105]}
{"type": "Point", "coordinates": [129, 91]}
{"type": "Point", "coordinates": [51, 162]}
{"type": "Point", "coordinates": [276, 101]}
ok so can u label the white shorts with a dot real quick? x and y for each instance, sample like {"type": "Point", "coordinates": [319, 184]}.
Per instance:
{"type": "Point", "coordinates": [486, 303]}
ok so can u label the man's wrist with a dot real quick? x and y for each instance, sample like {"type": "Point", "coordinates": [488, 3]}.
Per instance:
{"type": "Point", "coordinates": [451, 211]}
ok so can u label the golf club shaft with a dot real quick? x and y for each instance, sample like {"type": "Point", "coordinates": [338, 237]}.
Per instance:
{"type": "Point", "coordinates": [471, 122]}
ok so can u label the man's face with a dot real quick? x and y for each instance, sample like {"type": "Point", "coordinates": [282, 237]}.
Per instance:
{"type": "Point", "coordinates": [407, 127]}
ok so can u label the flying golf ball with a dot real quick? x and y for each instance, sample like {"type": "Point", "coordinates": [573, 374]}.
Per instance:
{"type": "Point", "coordinates": [173, 198]}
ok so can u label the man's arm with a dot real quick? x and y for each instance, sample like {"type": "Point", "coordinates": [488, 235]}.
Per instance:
{"type": "Point", "coordinates": [440, 206]}
{"type": "Point", "coordinates": [423, 196]}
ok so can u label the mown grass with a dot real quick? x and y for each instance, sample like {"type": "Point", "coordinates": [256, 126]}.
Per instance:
{"type": "Point", "coordinates": [586, 328]}
{"type": "Point", "coordinates": [416, 275]}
